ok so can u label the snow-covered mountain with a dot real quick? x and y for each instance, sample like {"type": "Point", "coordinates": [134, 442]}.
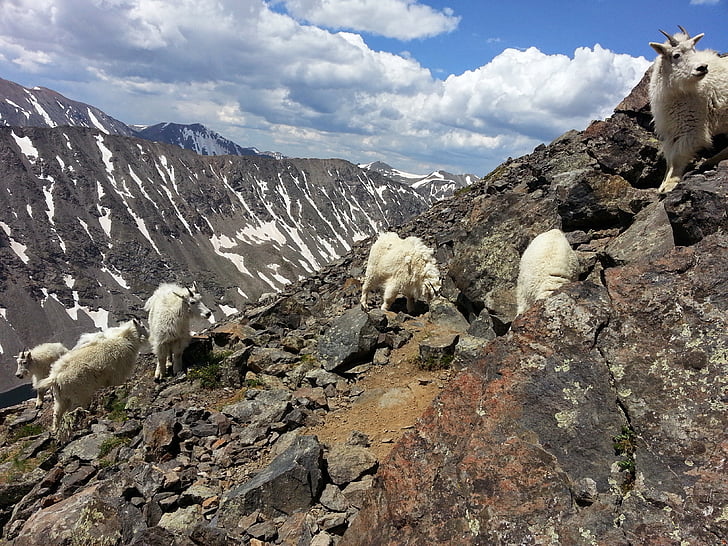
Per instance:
{"type": "Point", "coordinates": [41, 107]}
{"type": "Point", "coordinates": [91, 223]}
{"type": "Point", "coordinates": [436, 185]}
{"type": "Point", "coordinates": [196, 137]}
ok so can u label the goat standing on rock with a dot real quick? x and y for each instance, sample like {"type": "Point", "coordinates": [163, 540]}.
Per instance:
{"type": "Point", "coordinates": [37, 362]}
{"type": "Point", "coordinates": [78, 374]}
{"type": "Point", "coordinates": [689, 101]}
{"type": "Point", "coordinates": [401, 266]}
{"type": "Point", "coordinates": [170, 309]}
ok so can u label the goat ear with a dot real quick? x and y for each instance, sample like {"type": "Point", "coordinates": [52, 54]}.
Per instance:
{"type": "Point", "coordinates": [697, 38]}
{"type": "Point", "coordinates": [660, 48]}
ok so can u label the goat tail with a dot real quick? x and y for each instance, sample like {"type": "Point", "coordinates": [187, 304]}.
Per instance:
{"type": "Point", "coordinates": [47, 383]}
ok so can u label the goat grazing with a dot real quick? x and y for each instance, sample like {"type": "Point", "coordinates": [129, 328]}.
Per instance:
{"type": "Point", "coordinates": [401, 266]}
{"type": "Point", "coordinates": [548, 263]}
{"type": "Point", "coordinates": [170, 309]}
{"type": "Point", "coordinates": [107, 361]}
{"type": "Point", "coordinates": [37, 362]}
{"type": "Point", "coordinates": [689, 101]}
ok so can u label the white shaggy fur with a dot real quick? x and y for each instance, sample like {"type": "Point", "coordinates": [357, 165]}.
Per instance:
{"type": "Point", "coordinates": [401, 266]}
{"type": "Point", "coordinates": [170, 309]}
{"type": "Point", "coordinates": [689, 102]}
{"type": "Point", "coordinates": [77, 375]}
{"type": "Point", "coordinates": [37, 362]}
{"type": "Point", "coordinates": [548, 263]}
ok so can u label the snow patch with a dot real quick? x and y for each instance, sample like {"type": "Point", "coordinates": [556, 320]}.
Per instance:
{"type": "Point", "coordinates": [26, 147]}
{"type": "Point", "coordinates": [15, 246]}
{"type": "Point", "coordinates": [96, 122]}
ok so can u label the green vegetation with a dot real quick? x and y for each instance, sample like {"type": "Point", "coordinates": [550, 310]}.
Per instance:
{"type": "Point", "coordinates": [625, 445]}
{"type": "Point", "coordinates": [208, 371]}
{"type": "Point", "coordinates": [432, 363]}
{"type": "Point", "coordinates": [254, 383]}
{"type": "Point", "coordinates": [30, 429]}
{"type": "Point", "coordinates": [109, 444]}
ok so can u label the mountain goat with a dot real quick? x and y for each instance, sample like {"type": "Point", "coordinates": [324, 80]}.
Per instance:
{"type": "Point", "coordinates": [689, 100]}
{"type": "Point", "coordinates": [37, 362]}
{"type": "Point", "coordinates": [547, 264]}
{"type": "Point", "coordinates": [401, 266]}
{"type": "Point", "coordinates": [78, 374]}
{"type": "Point", "coordinates": [170, 309]}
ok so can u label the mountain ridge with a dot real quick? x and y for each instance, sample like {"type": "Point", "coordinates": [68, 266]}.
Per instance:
{"type": "Point", "coordinates": [92, 222]}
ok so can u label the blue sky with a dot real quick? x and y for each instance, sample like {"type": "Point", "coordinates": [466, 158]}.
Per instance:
{"type": "Point", "coordinates": [420, 84]}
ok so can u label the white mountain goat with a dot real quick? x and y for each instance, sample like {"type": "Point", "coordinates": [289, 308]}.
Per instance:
{"type": "Point", "coordinates": [78, 374]}
{"type": "Point", "coordinates": [547, 264]}
{"type": "Point", "coordinates": [170, 309]}
{"type": "Point", "coordinates": [37, 362]}
{"type": "Point", "coordinates": [689, 101]}
{"type": "Point", "coordinates": [401, 266]}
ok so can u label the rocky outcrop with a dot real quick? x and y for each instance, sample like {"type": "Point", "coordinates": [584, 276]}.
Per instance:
{"type": "Point", "coordinates": [595, 417]}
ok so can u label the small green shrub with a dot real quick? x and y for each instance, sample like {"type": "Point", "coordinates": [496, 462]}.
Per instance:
{"type": "Point", "coordinates": [432, 363]}
{"type": "Point", "coordinates": [625, 445]}
{"type": "Point", "coordinates": [254, 383]}
{"type": "Point", "coordinates": [30, 429]}
{"type": "Point", "coordinates": [109, 444]}
{"type": "Point", "coordinates": [208, 371]}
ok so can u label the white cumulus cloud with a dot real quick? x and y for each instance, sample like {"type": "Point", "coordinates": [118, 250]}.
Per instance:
{"type": "Point", "coordinates": [401, 19]}
{"type": "Point", "coordinates": [263, 78]}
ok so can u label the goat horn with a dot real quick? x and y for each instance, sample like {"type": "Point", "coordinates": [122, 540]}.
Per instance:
{"type": "Point", "coordinates": [685, 32]}
{"type": "Point", "coordinates": [673, 41]}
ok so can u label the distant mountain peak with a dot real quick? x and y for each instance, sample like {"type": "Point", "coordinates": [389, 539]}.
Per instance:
{"type": "Point", "coordinates": [436, 185]}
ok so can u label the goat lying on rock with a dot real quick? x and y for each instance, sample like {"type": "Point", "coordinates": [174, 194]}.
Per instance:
{"type": "Point", "coordinates": [78, 374]}
{"type": "Point", "coordinates": [401, 266]}
{"type": "Point", "coordinates": [37, 362]}
{"type": "Point", "coordinates": [689, 102]}
{"type": "Point", "coordinates": [548, 263]}
{"type": "Point", "coordinates": [170, 309]}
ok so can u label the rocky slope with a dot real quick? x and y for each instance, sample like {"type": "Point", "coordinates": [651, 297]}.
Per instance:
{"type": "Point", "coordinates": [41, 107]}
{"type": "Point", "coordinates": [91, 223]}
{"type": "Point", "coordinates": [596, 417]}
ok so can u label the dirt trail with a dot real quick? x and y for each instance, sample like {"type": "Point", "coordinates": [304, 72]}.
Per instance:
{"type": "Point", "coordinates": [394, 397]}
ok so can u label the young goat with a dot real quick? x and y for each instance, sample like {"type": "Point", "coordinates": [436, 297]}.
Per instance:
{"type": "Point", "coordinates": [78, 374]}
{"type": "Point", "coordinates": [37, 362]}
{"type": "Point", "coordinates": [547, 264]}
{"type": "Point", "coordinates": [170, 309]}
{"type": "Point", "coordinates": [689, 101]}
{"type": "Point", "coordinates": [401, 266]}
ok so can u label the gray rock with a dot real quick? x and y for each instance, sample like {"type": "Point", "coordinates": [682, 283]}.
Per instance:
{"type": "Point", "coordinates": [351, 338]}
{"type": "Point", "coordinates": [482, 326]}
{"type": "Point", "coordinates": [437, 346]}
{"type": "Point", "coordinates": [87, 447]}
{"type": "Point", "coordinates": [182, 520]}
{"type": "Point", "coordinates": [291, 482]}
{"type": "Point", "coordinates": [159, 434]}
{"type": "Point", "coordinates": [333, 499]}
{"type": "Point", "coordinates": [648, 238]}
{"type": "Point", "coordinates": [267, 407]}
{"type": "Point", "coordinates": [322, 378]}
{"type": "Point", "coordinates": [445, 315]}
{"type": "Point", "coordinates": [357, 491]}
{"type": "Point", "coordinates": [347, 463]}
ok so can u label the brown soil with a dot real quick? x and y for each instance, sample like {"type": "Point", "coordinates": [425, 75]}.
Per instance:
{"type": "Point", "coordinates": [394, 397]}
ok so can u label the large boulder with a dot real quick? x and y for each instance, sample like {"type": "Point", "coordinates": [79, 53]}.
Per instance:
{"type": "Point", "coordinates": [602, 414]}
{"type": "Point", "coordinates": [290, 483]}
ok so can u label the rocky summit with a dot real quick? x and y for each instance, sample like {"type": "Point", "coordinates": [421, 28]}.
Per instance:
{"type": "Point", "coordinates": [598, 416]}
